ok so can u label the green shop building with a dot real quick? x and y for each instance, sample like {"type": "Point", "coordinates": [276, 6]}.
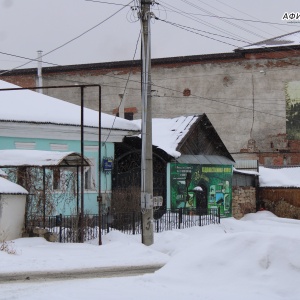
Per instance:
{"type": "Point", "coordinates": [199, 168]}
{"type": "Point", "coordinates": [200, 173]}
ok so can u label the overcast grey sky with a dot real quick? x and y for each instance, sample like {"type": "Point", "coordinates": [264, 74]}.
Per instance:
{"type": "Point", "coordinates": [30, 25]}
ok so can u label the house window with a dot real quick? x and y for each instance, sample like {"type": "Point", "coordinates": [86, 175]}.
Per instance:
{"type": "Point", "coordinates": [56, 179]}
{"type": "Point", "coordinates": [88, 179]}
{"type": "Point", "coordinates": [89, 176]}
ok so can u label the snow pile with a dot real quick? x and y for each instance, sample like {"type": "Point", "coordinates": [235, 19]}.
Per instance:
{"type": "Point", "coordinates": [256, 257]}
{"type": "Point", "coordinates": [283, 177]}
{"type": "Point", "coordinates": [8, 187]}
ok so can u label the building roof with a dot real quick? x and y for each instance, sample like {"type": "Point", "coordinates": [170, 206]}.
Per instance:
{"type": "Point", "coordinates": [171, 136]}
{"type": "Point", "coordinates": [33, 107]}
{"type": "Point", "coordinates": [8, 187]}
{"type": "Point", "coordinates": [3, 174]}
{"type": "Point", "coordinates": [37, 158]}
{"type": "Point", "coordinates": [286, 40]}
{"type": "Point", "coordinates": [108, 66]}
{"type": "Point", "coordinates": [168, 133]}
{"type": "Point", "coordinates": [205, 160]}
{"type": "Point", "coordinates": [245, 172]}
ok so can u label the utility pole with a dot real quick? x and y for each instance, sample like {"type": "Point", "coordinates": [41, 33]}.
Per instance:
{"type": "Point", "coordinates": [146, 163]}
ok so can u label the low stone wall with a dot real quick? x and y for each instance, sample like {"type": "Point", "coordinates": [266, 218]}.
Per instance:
{"type": "Point", "coordinates": [243, 201]}
{"type": "Point", "coordinates": [41, 232]}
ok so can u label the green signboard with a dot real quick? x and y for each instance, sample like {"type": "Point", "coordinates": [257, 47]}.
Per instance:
{"type": "Point", "coordinates": [201, 186]}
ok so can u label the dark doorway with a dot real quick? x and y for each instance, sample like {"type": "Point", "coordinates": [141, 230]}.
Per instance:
{"type": "Point", "coordinates": [201, 197]}
{"type": "Point", "coordinates": [126, 177]}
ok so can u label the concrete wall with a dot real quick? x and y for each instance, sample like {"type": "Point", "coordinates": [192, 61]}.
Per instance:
{"type": "Point", "coordinates": [243, 95]}
{"type": "Point", "coordinates": [12, 213]}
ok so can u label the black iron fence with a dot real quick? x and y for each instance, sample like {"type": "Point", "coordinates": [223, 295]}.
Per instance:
{"type": "Point", "coordinates": [71, 229]}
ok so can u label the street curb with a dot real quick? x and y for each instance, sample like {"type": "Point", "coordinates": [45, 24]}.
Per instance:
{"type": "Point", "coordinates": [101, 272]}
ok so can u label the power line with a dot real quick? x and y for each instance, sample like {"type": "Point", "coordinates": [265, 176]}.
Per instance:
{"type": "Point", "coordinates": [239, 19]}
{"type": "Point", "coordinates": [187, 27]}
{"type": "Point", "coordinates": [173, 24]}
{"type": "Point", "coordinates": [73, 39]}
{"type": "Point", "coordinates": [31, 59]}
{"type": "Point", "coordinates": [221, 102]}
{"type": "Point", "coordinates": [244, 13]}
{"type": "Point", "coordinates": [129, 74]}
{"type": "Point", "coordinates": [110, 3]}
{"type": "Point", "coordinates": [182, 13]}
{"type": "Point", "coordinates": [232, 16]}
{"type": "Point", "coordinates": [223, 20]}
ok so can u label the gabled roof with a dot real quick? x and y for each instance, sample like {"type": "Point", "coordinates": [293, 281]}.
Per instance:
{"type": "Point", "coordinates": [172, 134]}
{"type": "Point", "coordinates": [37, 158]}
{"type": "Point", "coordinates": [287, 40]}
{"type": "Point", "coordinates": [168, 133]}
{"type": "Point", "coordinates": [204, 160]}
{"type": "Point", "coordinates": [8, 187]}
{"type": "Point", "coordinates": [33, 107]}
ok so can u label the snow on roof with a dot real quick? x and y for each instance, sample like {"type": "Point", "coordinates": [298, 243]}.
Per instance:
{"type": "Point", "coordinates": [29, 106]}
{"type": "Point", "coordinates": [2, 173]}
{"type": "Point", "coordinates": [290, 39]}
{"type": "Point", "coordinates": [8, 187]}
{"type": "Point", "coordinates": [37, 158]}
{"type": "Point", "coordinates": [248, 172]}
{"type": "Point", "coordinates": [283, 177]}
{"type": "Point", "coordinates": [168, 133]}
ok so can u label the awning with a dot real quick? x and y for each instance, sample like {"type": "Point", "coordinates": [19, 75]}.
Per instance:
{"type": "Point", "coordinates": [204, 160]}
{"type": "Point", "coordinates": [38, 158]}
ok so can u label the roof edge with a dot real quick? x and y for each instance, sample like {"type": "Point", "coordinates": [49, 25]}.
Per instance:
{"type": "Point", "coordinates": [66, 124]}
{"type": "Point", "coordinates": [126, 63]}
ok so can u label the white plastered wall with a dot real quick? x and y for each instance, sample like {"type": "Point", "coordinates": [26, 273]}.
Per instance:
{"type": "Point", "coordinates": [12, 213]}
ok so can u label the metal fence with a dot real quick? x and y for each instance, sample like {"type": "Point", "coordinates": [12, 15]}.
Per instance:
{"type": "Point", "coordinates": [71, 229]}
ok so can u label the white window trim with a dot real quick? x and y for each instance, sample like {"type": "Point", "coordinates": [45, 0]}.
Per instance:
{"type": "Point", "coordinates": [92, 170]}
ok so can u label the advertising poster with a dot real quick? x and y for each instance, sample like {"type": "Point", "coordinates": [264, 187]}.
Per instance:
{"type": "Point", "coordinates": [201, 186]}
{"type": "Point", "coordinates": [292, 94]}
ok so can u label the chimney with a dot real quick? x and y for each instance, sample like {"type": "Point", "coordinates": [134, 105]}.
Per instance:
{"type": "Point", "coordinates": [39, 71]}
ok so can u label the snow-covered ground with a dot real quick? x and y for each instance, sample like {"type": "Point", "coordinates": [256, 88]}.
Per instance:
{"type": "Point", "coordinates": [255, 258]}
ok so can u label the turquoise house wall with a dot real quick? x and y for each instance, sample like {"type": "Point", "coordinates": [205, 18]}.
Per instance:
{"type": "Point", "coordinates": [90, 196]}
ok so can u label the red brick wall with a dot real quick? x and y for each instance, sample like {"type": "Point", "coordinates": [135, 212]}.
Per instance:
{"type": "Point", "coordinates": [21, 80]}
